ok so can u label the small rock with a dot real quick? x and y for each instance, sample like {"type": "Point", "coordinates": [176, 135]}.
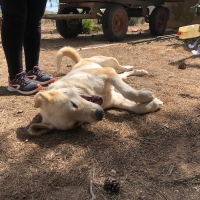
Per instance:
{"type": "Point", "coordinates": [134, 29]}
{"type": "Point", "coordinates": [19, 111]}
{"type": "Point", "coordinates": [113, 172]}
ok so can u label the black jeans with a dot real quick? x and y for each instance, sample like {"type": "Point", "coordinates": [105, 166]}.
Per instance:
{"type": "Point", "coordinates": [21, 25]}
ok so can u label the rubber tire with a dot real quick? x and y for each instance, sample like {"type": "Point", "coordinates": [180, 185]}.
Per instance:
{"type": "Point", "coordinates": [107, 23]}
{"type": "Point", "coordinates": [64, 30]}
{"type": "Point", "coordinates": [154, 21]}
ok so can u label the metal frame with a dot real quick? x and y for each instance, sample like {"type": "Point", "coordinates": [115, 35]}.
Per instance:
{"type": "Point", "coordinates": [96, 5]}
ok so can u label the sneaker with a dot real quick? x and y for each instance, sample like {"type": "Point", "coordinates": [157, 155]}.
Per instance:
{"type": "Point", "coordinates": [23, 85]}
{"type": "Point", "coordinates": [38, 76]}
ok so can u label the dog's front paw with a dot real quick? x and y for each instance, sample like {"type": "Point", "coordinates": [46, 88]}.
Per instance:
{"type": "Point", "coordinates": [158, 102]}
{"type": "Point", "coordinates": [155, 104]}
{"type": "Point", "coordinates": [127, 68]}
{"type": "Point", "coordinates": [139, 72]}
{"type": "Point", "coordinates": [144, 96]}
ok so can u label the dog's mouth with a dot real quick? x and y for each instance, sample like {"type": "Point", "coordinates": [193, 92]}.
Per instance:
{"type": "Point", "coordinates": [94, 99]}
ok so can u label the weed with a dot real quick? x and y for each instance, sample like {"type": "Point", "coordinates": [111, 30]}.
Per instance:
{"type": "Point", "coordinates": [136, 20]}
{"type": "Point", "coordinates": [87, 26]}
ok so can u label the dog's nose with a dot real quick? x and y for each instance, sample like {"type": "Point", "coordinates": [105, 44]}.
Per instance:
{"type": "Point", "coordinates": [99, 114]}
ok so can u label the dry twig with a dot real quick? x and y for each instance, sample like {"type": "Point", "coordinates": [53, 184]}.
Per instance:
{"type": "Point", "coordinates": [91, 192]}
{"type": "Point", "coordinates": [171, 168]}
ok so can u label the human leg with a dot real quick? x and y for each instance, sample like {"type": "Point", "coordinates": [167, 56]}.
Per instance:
{"type": "Point", "coordinates": [12, 33]}
{"type": "Point", "coordinates": [13, 26]}
{"type": "Point", "coordinates": [32, 39]}
{"type": "Point", "coordinates": [32, 36]}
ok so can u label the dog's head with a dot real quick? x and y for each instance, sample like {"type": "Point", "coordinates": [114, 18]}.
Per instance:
{"type": "Point", "coordinates": [65, 110]}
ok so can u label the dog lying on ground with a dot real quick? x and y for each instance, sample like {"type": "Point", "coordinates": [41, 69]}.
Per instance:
{"type": "Point", "coordinates": [82, 94]}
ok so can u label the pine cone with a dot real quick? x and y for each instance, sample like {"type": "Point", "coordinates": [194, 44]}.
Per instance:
{"type": "Point", "coordinates": [111, 185]}
{"type": "Point", "coordinates": [182, 65]}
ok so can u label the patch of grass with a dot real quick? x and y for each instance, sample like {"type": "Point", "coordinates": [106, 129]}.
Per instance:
{"type": "Point", "coordinates": [90, 26]}
{"type": "Point", "coordinates": [46, 21]}
{"type": "Point", "coordinates": [136, 20]}
{"type": "Point", "coordinates": [87, 26]}
{"type": "Point", "coordinates": [45, 37]}
{"type": "Point", "coordinates": [97, 28]}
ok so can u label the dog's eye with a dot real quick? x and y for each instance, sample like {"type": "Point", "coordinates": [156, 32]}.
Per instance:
{"type": "Point", "coordinates": [74, 105]}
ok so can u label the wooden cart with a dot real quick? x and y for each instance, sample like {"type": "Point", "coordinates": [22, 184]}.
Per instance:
{"type": "Point", "coordinates": [112, 14]}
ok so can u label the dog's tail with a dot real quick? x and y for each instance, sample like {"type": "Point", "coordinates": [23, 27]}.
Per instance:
{"type": "Point", "coordinates": [69, 52]}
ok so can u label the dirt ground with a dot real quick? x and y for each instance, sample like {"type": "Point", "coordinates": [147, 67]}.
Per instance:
{"type": "Point", "coordinates": [154, 156]}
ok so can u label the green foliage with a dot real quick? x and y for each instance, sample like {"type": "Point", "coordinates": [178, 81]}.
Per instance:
{"type": "Point", "coordinates": [136, 20]}
{"type": "Point", "coordinates": [87, 26]}
{"type": "Point", "coordinates": [46, 21]}
{"type": "Point", "coordinates": [97, 28]}
{"type": "Point", "coordinates": [50, 12]}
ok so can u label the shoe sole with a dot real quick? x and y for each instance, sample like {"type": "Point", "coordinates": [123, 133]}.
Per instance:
{"type": "Point", "coordinates": [43, 83]}
{"type": "Point", "coordinates": [11, 89]}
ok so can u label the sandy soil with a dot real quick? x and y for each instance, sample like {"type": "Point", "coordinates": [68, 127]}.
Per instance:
{"type": "Point", "coordinates": [154, 156]}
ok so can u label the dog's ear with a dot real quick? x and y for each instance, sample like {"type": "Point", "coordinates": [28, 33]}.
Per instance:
{"type": "Point", "coordinates": [37, 100]}
{"type": "Point", "coordinates": [44, 96]}
{"type": "Point", "coordinates": [39, 128]}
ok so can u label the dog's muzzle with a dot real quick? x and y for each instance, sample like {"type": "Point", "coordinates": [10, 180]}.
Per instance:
{"type": "Point", "coordinates": [99, 114]}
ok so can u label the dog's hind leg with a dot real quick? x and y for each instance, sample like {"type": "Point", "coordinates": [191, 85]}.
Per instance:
{"type": "Point", "coordinates": [128, 92]}
{"type": "Point", "coordinates": [118, 101]}
{"type": "Point", "coordinates": [109, 62]}
{"type": "Point", "coordinates": [109, 75]}
{"type": "Point", "coordinates": [115, 65]}
{"type": "Point", "coordinates": [135, 72]}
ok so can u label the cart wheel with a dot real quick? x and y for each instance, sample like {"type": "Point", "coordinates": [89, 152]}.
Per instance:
{"type": "Point", "coordinates": [69, 28]}
{"type": "Point", "coordinates": [158, 21]}
{"type": "Point", "coordinates": [115, 23]}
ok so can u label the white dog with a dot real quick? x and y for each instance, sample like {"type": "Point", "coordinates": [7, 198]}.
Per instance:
{"type": "Point", "coordinates": [82, 94]}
